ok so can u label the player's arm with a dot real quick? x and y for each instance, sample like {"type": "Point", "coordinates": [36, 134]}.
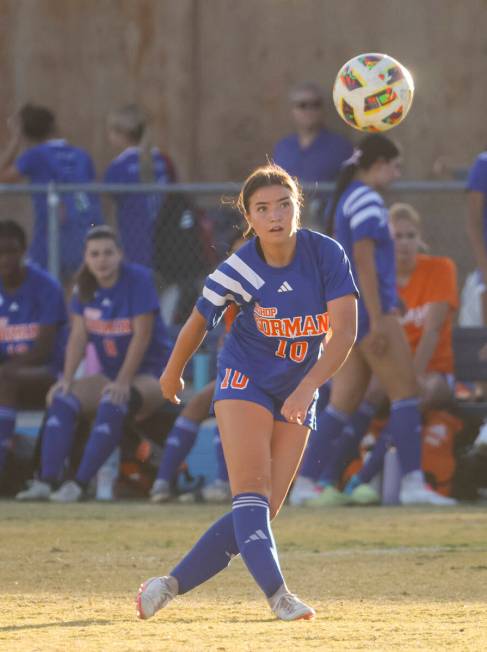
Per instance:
{"type": "Point", "coordinates": [8, 171]}
{"type": "Point", "coordinates": [342, 313]}
{"type": "Point", "coordinates": [436, 315]}
{"type": "Point", "coordinates": [75, 352]}
{"type": "Point", "coordinates": [475, 229]}
{"type": "Point", "coordinates": [188, 342]}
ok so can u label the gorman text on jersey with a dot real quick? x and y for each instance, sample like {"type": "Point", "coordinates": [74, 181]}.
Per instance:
{"type": "Point", "coordinates": [300, 326]}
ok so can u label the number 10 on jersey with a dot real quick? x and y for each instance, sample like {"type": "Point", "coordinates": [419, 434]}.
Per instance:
{"type": "Point", "coordinates": [296, 351]}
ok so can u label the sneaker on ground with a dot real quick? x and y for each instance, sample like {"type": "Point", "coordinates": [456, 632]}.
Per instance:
{"type": "Point", "coordinates": [160, 492]}
{"type": "Point", "coordinates": [364, 494]}
{"type": "Point", "coordinates": [329, 497]}
{"type": "Point", "coordinates": [414, 491]}
{"type": "Point", "coordinates": [287, 606]}
{"type": "Point", "coordinates": [481, 439]}
{"type": "Point", "coordinates": [303, 489]}
{"type": "Point", "coordinates": [154, 594]}
{"type": "Point", "coordinates": [69, 492]}
{"type": "Point", "coordinates": [217, 492]}
{"type": "Point", "coordinates": [37, 490]}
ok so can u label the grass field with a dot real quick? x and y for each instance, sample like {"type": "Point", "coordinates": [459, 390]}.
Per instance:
{"type": "Point", "coordinates": [380, 579]}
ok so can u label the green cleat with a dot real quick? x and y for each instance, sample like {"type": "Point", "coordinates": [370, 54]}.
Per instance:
{"type": "Point", "coordinates": [329, 497]}
{"type": "Point", "coordinates": [364, 494]}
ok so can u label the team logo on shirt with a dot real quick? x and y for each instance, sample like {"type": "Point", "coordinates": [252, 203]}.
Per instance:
{"type": "Point", "coordinates": [298, 326]}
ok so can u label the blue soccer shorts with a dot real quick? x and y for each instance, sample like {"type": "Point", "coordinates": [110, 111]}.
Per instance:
{"type": "Point", "coordinates": [231, 384]}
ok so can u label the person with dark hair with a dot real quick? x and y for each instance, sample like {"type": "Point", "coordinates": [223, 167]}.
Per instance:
{"type": "Point", "coordinates": [313, 153]}
{"type": "Point", "coordinates": [359, 220]}
{"type": "Point", "coordinates": [114, 306]}
{"type": "Point", "coordinates": [48, 158]}
{"type": "Point", "coordinates": [136, 162]}
{"type": "Point", "coordinates": [289, 283]}
{"type": "Point", "coordinates": [32, 319]}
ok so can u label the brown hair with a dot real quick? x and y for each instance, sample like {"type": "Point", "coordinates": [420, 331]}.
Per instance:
{"type": "Point", "coordinates": [86, 283]}
{"type": "Point", "coordinates": [131, 121]}
{"type": "Point", "coordinates": [264, 177]}
{"type": "Point", "coordinates": [403, 211]}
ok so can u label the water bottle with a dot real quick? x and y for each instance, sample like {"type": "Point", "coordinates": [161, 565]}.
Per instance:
{"type": "Point", "coordinates": [391, 484]}
{"type": "Point", "coordinates": [106, 477]}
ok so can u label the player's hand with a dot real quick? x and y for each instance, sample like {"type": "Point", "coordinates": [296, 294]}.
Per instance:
{"type": "Point", "coordinates": [295, 407]}
{"type": "Point", "coordinates": [377, 339]}
{"type": "Point", "coordinates": [171, 386]}
{"type": "Point", "coordinates": [118, 392]}
{"type": "Point", "coordinates": [61, 387]}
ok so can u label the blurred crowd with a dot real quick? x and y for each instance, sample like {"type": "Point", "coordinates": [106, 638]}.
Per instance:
{"type": "Point", "coordinates": [88, 348]}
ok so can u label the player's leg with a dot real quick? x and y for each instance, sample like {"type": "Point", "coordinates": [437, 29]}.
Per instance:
{"type": "Point", "coordinates": [59, 431]}
{"type": "Point", "coordinates": [180, 441]}
{"type": "Point", "coordinates": [395, 373]}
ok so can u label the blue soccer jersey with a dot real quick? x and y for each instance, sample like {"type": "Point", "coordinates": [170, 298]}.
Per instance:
{"type": "Point", "coordinates": [360, 215]}
{"type": "Point", "coordinates": [277, 336]}
{"type": "Point", "coordinates": [108, 321]}
{"type": "Point", "coordinates": [477, 181]}
{"type": "Point", "coordinates": [39, 301]}
{"type": "Point", "coordinates": [137, 213]}
{"type": "Point", "coordinates": [56, 160]}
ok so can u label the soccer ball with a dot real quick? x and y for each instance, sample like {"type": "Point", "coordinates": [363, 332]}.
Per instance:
{"type": "Point", "coordinates": [373, 92]}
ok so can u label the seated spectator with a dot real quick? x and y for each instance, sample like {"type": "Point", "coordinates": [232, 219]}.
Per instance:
{"type": "Point", "coordinates": [136, 162]}
{"type": "Point", "coordinates": [313, 153]}
{"type": "Point", "coordinates": [477, 221]}
{"type": "Point", "coordinates": [115, 306]}
{"type": "Point", "coordinates": [46, 157]}
{"type": "Point", "coordinates": [32, 321]}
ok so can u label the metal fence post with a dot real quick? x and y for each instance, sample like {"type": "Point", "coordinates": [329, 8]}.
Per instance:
{"type": "Point", "coordinates": [53, 243]}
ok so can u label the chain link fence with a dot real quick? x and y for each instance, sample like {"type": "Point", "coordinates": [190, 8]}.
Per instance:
{"type": "Point", "coordinates": [183, 230]}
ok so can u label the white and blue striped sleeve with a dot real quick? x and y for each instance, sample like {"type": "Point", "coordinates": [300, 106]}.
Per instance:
{"type": "Point", "coordinates": [232, 282]}
{"type": "Point", "coordinates": [366, 213]}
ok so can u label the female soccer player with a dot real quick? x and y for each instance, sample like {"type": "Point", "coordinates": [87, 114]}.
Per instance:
{"type": "Point", "coordinates": [115, 306]}
{"type": "Point", "coordinates": [32, 319]}
{"type": "Point", "coordinates": [362, 226]}
{"type": "Point", "coordinates": [137, 162]}
{"type": "Point", "coordinates": [290, 284]}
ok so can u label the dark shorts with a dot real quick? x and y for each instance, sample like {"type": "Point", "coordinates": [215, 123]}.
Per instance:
{"type": "Point", "coordinates": [233, 385]}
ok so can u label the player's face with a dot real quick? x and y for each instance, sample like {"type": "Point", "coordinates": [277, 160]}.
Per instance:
{"type": "Point", "coordinates": [307, 110]}
{"type": "Point", "coordinates": [11, 254]}
{"type": "Point", "coordinates": [273, 214]}
{"type": "Point", "coordinates": [387, 172]}
{"type": "Point", "coordinates": [103, 258]}
{"type": "Point", "coordinates": [407, 240]}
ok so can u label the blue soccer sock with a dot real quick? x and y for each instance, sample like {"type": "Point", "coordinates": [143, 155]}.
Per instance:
{"type": "Point", "coordinates": [104, 438]}
{"type": "Point", "coordinates": [321, 446]}
{"type": "Point", "coordinates": [221, 465]}
{"type": "Point", "coordinates": [7, 428]}
{"type": "Point", "coordinates": [253, 533]}
{"type": "Point", "coordinates": [58, 435]}
{"type": "Point", "coordinates": [375, 460]}
{"type": "Point", "coordinates": [211, 554]}
{"type": "Point", "coordinates": [179, 442]}
{"type": "Point", "coordinates": [404, 426]}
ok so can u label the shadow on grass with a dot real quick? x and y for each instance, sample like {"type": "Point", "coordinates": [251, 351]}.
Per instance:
{"type": "Point", "coordinates": [59, 623]}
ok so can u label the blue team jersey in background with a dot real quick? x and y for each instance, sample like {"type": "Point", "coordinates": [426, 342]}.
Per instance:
{"type": "Point", "coordinates": [108, 320]}
{"type": "Point", "coordinates": [137, 213]}
{"type": "Point", "coordinates": [277, 336]}
{"type": "Point", "coordinates": [477, 181]}
{"type": "Point", "coordinates": [361, 214]}
{"type": "Point", "coordinates": [58, 161]}
{"type": "Point", "coordinates": [39, 301]}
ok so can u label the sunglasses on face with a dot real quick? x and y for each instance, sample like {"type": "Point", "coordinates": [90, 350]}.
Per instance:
{"type": "Point", "coordinates": [305, 105]}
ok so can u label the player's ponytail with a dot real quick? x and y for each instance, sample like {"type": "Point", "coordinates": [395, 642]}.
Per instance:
{"type": "Point", "coordinates": [371, 149]}
{"type": "Point", "coordinates": [85, 282]}
{"type": "Point", "coordinates": [131, 121]}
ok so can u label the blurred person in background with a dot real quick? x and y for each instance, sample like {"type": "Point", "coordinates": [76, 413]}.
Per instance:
{"type": "Point", "coordinates": [477, 223]}
{"type": "Point", "coordinates": [32, 322]}
{"type": "Point", "coordinates": [115, 307]}
{"type": "Point", "coordinates": [137, 161]}
{"type": "Point", "coordinates": [46, 157]}
{"type": "Point", "coordinates": [360, 222]}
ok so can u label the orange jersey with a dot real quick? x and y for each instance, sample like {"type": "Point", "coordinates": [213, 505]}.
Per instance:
{"type": "Point", "coordinates": [434, 280]}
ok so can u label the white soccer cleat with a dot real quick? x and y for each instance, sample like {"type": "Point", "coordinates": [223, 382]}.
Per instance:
{"type": "Point", "coordinates": [217, 492]}
{"type": "Point", "coordinates": [160, 492]}
{"type": "Point", "coordinates": [154, 594]}
{"type": "Point", "coordinates": [414, 491]}
{"type": "Point", "coordinates": [286, 606]}
{"type": "Point", "coordinates": [69, 492]}
{"type": "Point", "coordinates": [37, 491]}
{"type": "Point", "coordinates": [481, 439]}
{"type": "Point", "coordinates": [304, 489]}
